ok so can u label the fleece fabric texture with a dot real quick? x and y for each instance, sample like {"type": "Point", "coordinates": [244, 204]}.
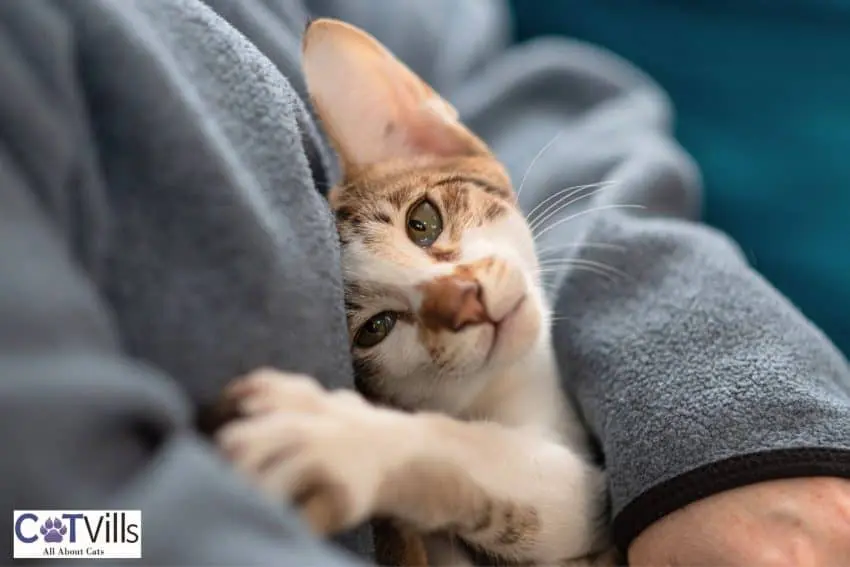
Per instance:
{"type": "Point", "coordinates": [162, 230]}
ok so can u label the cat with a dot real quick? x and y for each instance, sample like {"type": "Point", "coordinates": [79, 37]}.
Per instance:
{"type": "Point", "coordinates": [461, 432]}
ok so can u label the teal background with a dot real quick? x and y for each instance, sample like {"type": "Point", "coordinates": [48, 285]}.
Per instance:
{"type": "Point", "coordinates": [762, 96]}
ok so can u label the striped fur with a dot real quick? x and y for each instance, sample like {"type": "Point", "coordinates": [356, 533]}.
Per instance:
{"type": "Point", "coordinates": [488, 455]}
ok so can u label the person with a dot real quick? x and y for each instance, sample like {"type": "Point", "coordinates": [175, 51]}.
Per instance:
{"type": "Point", "coordinates": [163, 231]}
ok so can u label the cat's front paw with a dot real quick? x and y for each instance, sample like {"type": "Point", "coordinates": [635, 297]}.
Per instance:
{"type": "Point", "coordinates": [327, 452]}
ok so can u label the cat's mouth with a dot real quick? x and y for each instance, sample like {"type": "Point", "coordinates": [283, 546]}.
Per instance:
{"type": "Point", "coordinates": [503, 327]}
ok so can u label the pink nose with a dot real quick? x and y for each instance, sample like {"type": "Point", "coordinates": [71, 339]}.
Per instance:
{"type": "Point", "coordinates": [452, 302]}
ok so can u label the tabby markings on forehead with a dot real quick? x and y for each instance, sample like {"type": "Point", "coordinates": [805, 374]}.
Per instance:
{"type": "Point", "coordinates": [399, 198]}
{"type": "Point", "coordinates": [348, 214]}
{"type": "Point", "coordinates": [483, 184]}
{"type": "Point", "coordinates": [356, 209]}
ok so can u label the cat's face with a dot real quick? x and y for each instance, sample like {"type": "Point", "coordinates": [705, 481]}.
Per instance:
{"type": "Point", "coordinates": [441, 278]}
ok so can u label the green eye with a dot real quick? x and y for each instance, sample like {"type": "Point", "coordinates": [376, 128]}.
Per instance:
{"type": "Point", "coordinates": [424, 224]}
{"type": "Point", "coordinates": [375, 330]}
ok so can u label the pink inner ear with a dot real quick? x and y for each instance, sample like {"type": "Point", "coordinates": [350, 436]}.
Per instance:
{"type": "Point", "coordinates": [374, 108]}
{"type": "Point", "coordinates": [431, 134]}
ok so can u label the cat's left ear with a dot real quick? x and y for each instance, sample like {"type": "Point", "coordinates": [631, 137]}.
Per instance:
{"type": "Point", "coordinates": [373, 107]}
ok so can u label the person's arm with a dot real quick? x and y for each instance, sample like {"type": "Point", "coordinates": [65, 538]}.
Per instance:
{"type": "Point", "coordinates": [694, 374]}
{"type": "Point", "coordinates": [84, 427]}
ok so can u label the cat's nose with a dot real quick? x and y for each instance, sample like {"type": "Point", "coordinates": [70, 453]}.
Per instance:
{"type": "Point", "coordinates": [453, 303]}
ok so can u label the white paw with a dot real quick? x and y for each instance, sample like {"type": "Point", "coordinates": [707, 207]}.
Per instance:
{"type": "Point", "coordinates": [325, 451]}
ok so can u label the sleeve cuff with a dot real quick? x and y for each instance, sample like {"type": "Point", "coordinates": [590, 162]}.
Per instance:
{"type": "Point", "coordinates": [735, 472]}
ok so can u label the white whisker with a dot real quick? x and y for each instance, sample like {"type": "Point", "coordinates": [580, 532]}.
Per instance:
{"type": "Point", "coordinates": [601, 274]}
{"type": "Point", "coordinates": [581, 262]}
{"type": "Point", "coordinates": [570, 191]}
{"type": "Point", "coordinates": [584, 212]}
{"type": "Point", "coordinates": [579, 245]}
{"type": "Point", "coordinates": [539, 222]}
{"type": "Point", "coordinates": [562, 269]}
{"type": "Point", "coordinates": [537, 157]}
{"type": "Point", "coordinates": [568, 260]}
{"type": "Point", "coordinates": [590, 269]}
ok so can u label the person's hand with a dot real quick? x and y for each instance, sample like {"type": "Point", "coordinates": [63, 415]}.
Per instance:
{"type": "Point", "coordinates": [802, 522]}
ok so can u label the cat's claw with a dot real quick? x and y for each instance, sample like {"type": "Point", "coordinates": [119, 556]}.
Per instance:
{"type": "Point", "coordinates": [314, 447]}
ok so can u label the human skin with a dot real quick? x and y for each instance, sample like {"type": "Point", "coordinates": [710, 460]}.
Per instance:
{"type": "Point", "coordinates": [802, 522]}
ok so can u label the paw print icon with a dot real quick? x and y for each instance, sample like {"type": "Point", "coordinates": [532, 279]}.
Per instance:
{"type": "Point", "coordinates": [53, 530]}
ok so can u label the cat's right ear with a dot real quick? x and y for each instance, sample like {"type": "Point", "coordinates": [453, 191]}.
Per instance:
{"type": "Point", "coordinates": [373, 107]}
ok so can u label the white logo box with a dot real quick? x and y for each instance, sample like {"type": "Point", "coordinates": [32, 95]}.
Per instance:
{"type": "Point", "coordinates": [76, 534]}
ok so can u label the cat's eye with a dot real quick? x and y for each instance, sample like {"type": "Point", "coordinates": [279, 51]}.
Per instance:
{"type": "Point", "coordinates": [424, 224]}
{"type": "Point", "coordinates": [375, 330]}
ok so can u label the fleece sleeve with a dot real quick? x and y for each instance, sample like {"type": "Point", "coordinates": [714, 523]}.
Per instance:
{"type": "Point", "coordinates": [83, 426]}
{"type": "Point", "coordinates": [86, 428]}
{"type": "Point", "coordinates": [694, 374]}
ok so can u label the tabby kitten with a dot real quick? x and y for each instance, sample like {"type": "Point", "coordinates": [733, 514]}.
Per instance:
{"type": "Point", "coordinates": [448, 321]}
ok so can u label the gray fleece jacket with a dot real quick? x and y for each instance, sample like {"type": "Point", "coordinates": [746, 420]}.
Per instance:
{"type": "Point", "coordinates": [163, 230]}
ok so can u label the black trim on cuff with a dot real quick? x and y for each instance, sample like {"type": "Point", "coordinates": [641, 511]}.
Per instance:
{"type": "Point", "coordinates": [731, 473]}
